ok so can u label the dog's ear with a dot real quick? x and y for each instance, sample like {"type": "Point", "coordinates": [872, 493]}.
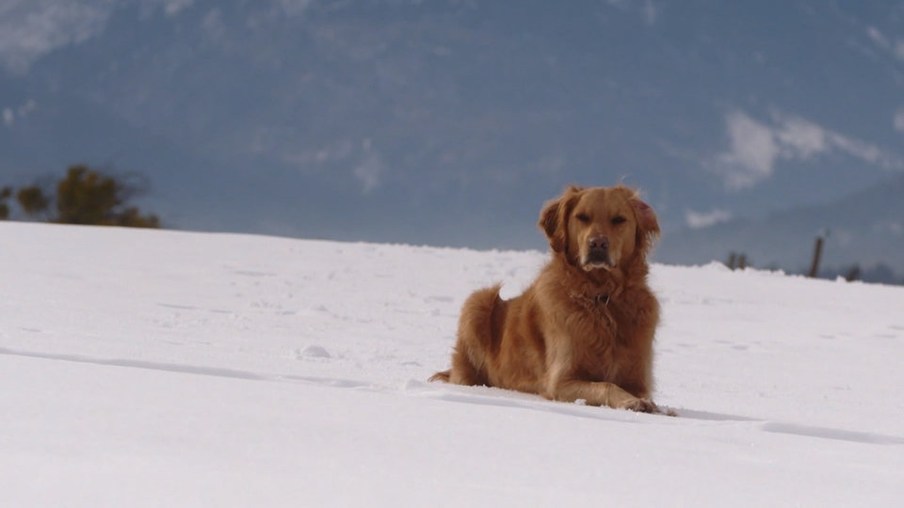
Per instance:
{"type": "Point", "coordinates": [647, 223]}
{"type": "Point", "coordinates": [554, 218]}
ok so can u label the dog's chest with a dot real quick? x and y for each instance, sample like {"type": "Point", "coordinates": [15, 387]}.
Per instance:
{"type": "Point", "coordinates": [596, 343]}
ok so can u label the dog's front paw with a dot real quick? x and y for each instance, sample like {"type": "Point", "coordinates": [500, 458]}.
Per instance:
{"type": "Point", "coordinates": [642, 406]}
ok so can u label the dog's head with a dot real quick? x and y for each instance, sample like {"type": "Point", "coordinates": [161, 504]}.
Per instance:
{"type": "Point", "coordinates": [599, 227]}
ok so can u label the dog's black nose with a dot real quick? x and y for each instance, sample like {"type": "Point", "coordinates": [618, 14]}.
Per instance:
{"type": "Point", "coordinates": [598, 249]}
{"type": "Point", "coordinates": [599, 243]}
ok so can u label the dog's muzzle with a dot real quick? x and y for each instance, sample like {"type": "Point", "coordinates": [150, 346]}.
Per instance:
{"type": "Point", "coordinates": [597, 253]}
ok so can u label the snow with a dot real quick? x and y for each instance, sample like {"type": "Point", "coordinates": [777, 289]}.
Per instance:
{"type": "Point", "coordinates": [159, 368]}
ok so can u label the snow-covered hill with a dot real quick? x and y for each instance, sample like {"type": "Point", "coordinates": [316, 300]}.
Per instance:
{"type": "Point", "coordinates": [153, 368]}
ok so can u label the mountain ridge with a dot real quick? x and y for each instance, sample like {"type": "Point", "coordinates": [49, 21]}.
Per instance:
{"type": "Point", "coordinates": [450, 123]}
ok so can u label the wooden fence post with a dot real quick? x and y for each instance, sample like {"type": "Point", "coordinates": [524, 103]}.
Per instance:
{"type": "Point", "coordinates": [817, 256]}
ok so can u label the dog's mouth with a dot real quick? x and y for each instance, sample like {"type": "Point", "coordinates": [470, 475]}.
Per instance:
{"type": "Point", "coordinates": [591, 263]}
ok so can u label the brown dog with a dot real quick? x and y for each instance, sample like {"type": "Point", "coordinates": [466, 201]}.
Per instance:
{"type": "Point", "coordinates": [584, 329]}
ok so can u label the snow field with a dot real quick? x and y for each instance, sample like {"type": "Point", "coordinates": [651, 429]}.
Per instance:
{"type": "Point", "coordinates": [149, 368]}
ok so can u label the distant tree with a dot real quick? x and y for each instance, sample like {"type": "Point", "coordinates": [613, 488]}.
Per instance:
{"type": "Point", "coordinates": [732, 262]}
{"type": "Point", "coordinates": [87, 196]}
{"type": "Point", "coordinates": [5, 193]}
{"type": "Point", "coordinates": [84, 196]}
{"type": "Point", "coordinates": [853, 273]}
{"type": "Point", "coordinates": [880, 273]}
{"type": "Point", "coordinates": [132, 218]}
{"type": "Point", "coordinates": [737, 261]}
{"type": "Point", "coordinates": [32, 200]}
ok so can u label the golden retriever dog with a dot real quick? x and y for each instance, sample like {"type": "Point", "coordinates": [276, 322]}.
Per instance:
{"type": "Point", "coordinates": [584, 329]}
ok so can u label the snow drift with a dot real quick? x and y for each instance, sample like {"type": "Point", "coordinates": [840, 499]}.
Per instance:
{"type": "Point", "coordinates": [149, 368]}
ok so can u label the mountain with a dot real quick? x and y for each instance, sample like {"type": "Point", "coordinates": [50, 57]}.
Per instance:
{"type": "Point", "coordinates": [451, 122]}
{"type": "Point", "coordinates": [158, 368]}
{"type": "Point", "coordinates": [865, 228]}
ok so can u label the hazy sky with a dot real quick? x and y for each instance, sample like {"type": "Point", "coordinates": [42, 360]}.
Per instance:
{"type": "Point", "coordinates": [451, 122]}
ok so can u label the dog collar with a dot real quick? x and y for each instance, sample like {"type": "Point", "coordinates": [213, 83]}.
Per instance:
{"type": "Point", "coordinates": [601, 299]}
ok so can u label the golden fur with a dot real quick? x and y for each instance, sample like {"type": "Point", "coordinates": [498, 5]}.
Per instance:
{"type": "Point", "coordinates": [584, 329]}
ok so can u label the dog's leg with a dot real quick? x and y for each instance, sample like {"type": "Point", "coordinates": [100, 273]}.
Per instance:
{"type": "Point", "coordinates": [475, 338]}
{"type": "Point", "coordinates": [601, 394]}
{"type": "Point", "coordinates": [463, 371]}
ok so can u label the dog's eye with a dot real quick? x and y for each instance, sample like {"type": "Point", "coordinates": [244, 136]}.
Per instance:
{"type": "Point", "coordinates": [618, 219]}
{"type": "Point", "coordinates": [582, 217]}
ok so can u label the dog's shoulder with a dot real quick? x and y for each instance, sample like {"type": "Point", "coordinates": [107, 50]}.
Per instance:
{"type": "Point", "coordinates": [551, 288]}
{"type": "Point", "coordinates": [637, 298]}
